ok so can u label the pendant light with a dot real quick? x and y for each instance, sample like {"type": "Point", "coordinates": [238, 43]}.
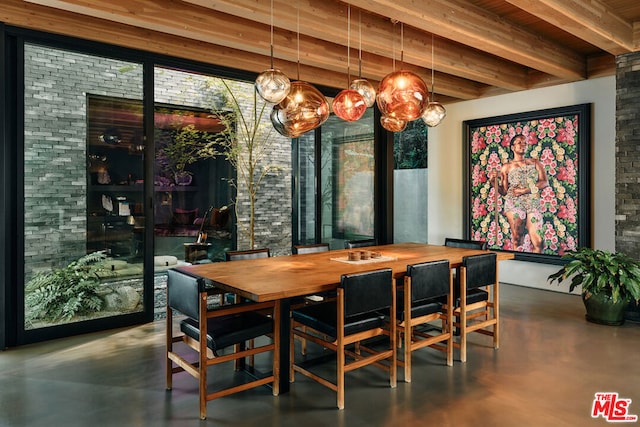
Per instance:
{"type": "Point", "coordinates": [361, 85]}
{"type": "Point", "coordinates": [435, 112]}
{"type": "Point", "coordinates": [303, 109]}
{"type": "Point", "coordinates": [349, 104]}
{"type": "Point", "coordinates": [402, 94]}
{"type": "Point", "coordinates": [393, 124]}
{"type": "Point", "coordinates": [272, 85]}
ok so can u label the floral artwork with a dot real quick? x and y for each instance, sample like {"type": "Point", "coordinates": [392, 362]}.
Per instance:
{"type": "Point", "coordinates": [552, 207]}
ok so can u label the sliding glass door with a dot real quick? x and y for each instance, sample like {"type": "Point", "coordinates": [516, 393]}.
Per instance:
{"type": "Point", "coordinates": [83, 187]}
{"type": "Point", "coordinates": [335, 195]}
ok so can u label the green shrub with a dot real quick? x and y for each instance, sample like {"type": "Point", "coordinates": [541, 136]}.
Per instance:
{"type": "Point", "coordinates": [66, 292]}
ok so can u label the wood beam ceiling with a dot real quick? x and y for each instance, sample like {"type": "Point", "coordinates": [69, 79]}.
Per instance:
{"type": "Point", "coordinates": [591, 20]}
{"type": "Point", "coordinates": [481, 47]}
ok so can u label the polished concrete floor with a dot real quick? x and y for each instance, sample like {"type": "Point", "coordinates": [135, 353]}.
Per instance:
{"type": "Point", "coordinates": [550, 364]}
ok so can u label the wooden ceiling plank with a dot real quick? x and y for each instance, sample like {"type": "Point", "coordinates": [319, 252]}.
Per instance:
{"type": "Point", "coordinates": [468, 24]}
{"type": "Point", "coordinates": [243, 34]}
{"type": "Point", "coordinates": [590, 20]}
{"type": "Point", "coordinates": [327, 20]}
{"type": "Point", "coordinates": [19, 13]}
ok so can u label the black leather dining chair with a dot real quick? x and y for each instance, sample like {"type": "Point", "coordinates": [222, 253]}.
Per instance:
{"type": "Point", "coordinates": [300, 301]}
{"type": "Point", "coordinates": [465, 243]}
{"type": "Point", "coordinates": [210, 332]}
{"type": "Point", "coordinates": [310, 249]}
{"type": "Point", "coordinates": [477, 299]}
{"type": "Point", "coordinates": [243, 255]}
{"type": "Point", "coordinates": [357, 314]}
{"type": "Point", "coordinates": [247, 254]}
{"type": "Point", "coordinates": [352, 244]}
{"type": "Point", "coordinates": [426, 296]}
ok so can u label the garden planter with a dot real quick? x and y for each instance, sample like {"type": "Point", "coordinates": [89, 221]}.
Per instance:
{"type": "Point", "coordinates": [601, 308]}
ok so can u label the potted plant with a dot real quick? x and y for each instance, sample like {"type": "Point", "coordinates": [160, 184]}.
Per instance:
{"type": "Point", "coordinates": [178, 149]}
{"type": "Point", "coordinates": [609, 281]}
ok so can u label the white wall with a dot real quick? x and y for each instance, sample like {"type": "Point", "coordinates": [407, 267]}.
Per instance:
{"type": "Point", "coordinates": [445, 198]}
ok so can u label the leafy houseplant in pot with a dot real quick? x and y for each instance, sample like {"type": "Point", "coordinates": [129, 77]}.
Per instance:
{"type": "Point", "coordinates": [608, 280]}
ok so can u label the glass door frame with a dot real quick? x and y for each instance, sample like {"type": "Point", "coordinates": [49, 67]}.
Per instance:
{"type": "Point", "coordinates": [12, 39]}
{"type": "Point", "coordinates": [383, 184]}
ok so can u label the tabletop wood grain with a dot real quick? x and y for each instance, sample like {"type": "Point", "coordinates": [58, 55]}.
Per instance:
{"type": "Point", "coordinates": [274, 278]}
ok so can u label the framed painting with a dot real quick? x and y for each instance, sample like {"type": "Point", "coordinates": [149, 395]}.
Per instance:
{"type": "Point", "coordinates": [527, 184]}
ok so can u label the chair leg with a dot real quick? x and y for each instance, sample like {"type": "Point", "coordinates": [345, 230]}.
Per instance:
{"type": "Point", "coordinates": [303, 343]}
{"type": "Point", "coordinates": [292, 354]}
{"type": "Point", "coordinates": [169, 348]}
{"type": "Point", "coordinates": [277, 341]}
{"type": "Point", "coordinates": [463, 334]}
{"type": "Point", "coordinates": [496, 314]}
{"type": "Point", "coordinates": [408, 331]}
{"type": "Point", "coordinates": [340, 381]}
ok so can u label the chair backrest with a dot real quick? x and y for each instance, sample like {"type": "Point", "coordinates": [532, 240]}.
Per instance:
{"type": "Point", "coordinates": [366, 292]}
{"type": "Point", "coordinates": [481, 269]}
{"type": "Point", "coordinates": [249, 254]}
{"type": "Point", "coordinates": [350, 244]}
{"type": "Point", "coordinates": [429, 279]}
{"type": "Point", "coordinates": [465, 243]}
{"type": "Point", "coordinates": [311, 249]}
{"type": "Point", "coordinates": [183, 292]}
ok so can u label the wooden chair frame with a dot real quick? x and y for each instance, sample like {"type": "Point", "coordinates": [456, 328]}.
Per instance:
{"type": "Point", "coordinates": [479, 316]}
{"type": "Point", "coordinates": [340, 343]}
{"type": "Point", "coordinates": [206, 357]}
{"type": "Point", "coordinates": [412, 339]}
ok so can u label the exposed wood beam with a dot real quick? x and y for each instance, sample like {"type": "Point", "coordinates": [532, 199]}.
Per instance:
{"type": "Point", "coordinates": [243, 35]}
{"type": "Point", "coordinates": [601, 66]}
{"type": "Point", "coordinates": [591, 20]}
{"type": "Point", "coordinates": [25, 15]}
{"type": "Point", "coordinates": [470, 25]}
{"type": "Point", "coordinates": [327, 20]}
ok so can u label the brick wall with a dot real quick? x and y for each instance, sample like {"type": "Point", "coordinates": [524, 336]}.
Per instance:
{"type": "Point", "coordinates": [55, 182]}
{"type": "Point", "coordinates": [56, 86]}
{"type": "Point", "coordinates": [628, 154]}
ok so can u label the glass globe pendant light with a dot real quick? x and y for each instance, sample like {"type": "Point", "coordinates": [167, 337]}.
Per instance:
{"type": "Point", "coordinates": [402, 94]}
{"type": "Point", "coordinates": [272, 85]}
{"type": "Point", "coordinates": [349, 105]}
{"type": "Point", "coordinates": [366, 89]}
{"type": "Point", "coordinates": [392, 124]}
{"type": "Point", "coordinates": [302, 110]}
{"type": "Point", "coordinates": [435, 112]}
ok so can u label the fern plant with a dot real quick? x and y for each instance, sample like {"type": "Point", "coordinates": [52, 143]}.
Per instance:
{"type": "Point", "coordinates": [66, 292]}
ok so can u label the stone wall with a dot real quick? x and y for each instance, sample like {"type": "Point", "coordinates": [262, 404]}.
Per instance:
{"type": "Point", "coordinates": [55, 189]}
{"type": "Point", "coordinates": [55, 183]}
{"type": "Point", "coordinates": [628, 154]}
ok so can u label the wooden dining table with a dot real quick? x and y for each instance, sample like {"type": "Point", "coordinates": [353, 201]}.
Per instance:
{"type": "Point", "coordinates": [284, 277]}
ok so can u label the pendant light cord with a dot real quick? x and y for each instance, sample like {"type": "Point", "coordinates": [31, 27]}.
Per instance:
{"type": "Point", "coordinates": [348, 45]}
{"type": "Point", "coordinates": [298, 31]}
{"type": "Point", "coordinates": [271, 34]}
{"type": "Point", "coordinates": [433, 95]}
{"type": "Point", "coordinates": [401, 45]}
{"type": "Point", "coordinates": [359, 44]}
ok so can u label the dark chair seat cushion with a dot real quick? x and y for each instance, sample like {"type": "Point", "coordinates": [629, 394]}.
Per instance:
{"type": "Point", "coordinates": [419, 308]}
{"type": "Point", "coordinates": [229, 330]}
{"type": "Point", "coordinates": [473, 296]}
{"type": "Point", "coordinates": [323, 318]}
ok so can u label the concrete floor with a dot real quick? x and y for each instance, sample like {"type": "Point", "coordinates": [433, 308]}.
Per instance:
{"type": "Point", "coordinates": [550, 364]}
